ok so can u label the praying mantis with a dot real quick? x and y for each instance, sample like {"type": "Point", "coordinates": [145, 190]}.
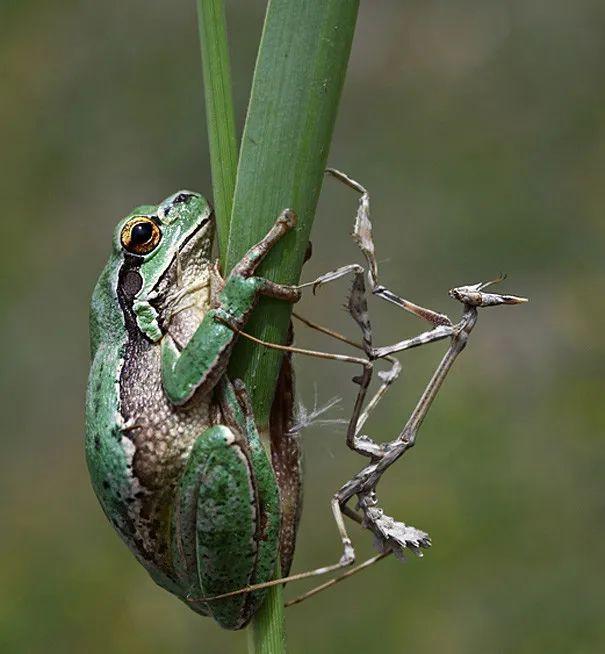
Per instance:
{"type": "Point", "coordinates": [391, 536]}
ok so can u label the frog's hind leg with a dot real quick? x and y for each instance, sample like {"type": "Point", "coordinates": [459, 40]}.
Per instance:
{"type": "Point", "coordinates": [220, 531]}
{"type": "Point", "coordinates": [236, 405]}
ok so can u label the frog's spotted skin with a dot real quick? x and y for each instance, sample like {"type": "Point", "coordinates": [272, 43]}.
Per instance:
{"type": "Point", "coordinates": [137, 442]}
{"type": "Point", "coordinates": [195, 499]}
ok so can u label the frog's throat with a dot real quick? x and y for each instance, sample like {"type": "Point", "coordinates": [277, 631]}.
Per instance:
{"type": "Point", "coordinates": [147, 320]}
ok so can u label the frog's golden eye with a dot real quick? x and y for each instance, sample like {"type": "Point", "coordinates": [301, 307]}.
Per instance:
{"type": "Point", "coordinates": [140, 235]}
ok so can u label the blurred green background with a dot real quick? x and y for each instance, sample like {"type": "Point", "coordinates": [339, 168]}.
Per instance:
{"type": "Point", "coordinates": [479, 128]}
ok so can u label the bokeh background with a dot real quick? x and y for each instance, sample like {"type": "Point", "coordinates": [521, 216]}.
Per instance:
{"type": "Point", "coordinates": [479, 127]}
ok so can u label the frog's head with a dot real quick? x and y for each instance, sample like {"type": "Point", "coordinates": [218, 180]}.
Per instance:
{"type": "Point", "coordinates": [161, 249]}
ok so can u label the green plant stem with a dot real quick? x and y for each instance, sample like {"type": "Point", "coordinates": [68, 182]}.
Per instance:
{"type": "Point", "coordinates": [266, 634]}
{"type": "Point", "coordinates": [219, 112]}
{"type": "Point", "coordinates": [299, 74]}
{"type": "Point", "coordinates": [297, 83]}
{"type": "Point", "coordinates": [296, 89]}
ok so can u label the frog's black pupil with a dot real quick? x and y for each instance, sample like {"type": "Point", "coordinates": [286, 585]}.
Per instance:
{"type": "Point", "coordinates": [141, 233]}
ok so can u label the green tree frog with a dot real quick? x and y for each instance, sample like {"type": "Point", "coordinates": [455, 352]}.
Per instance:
{"type": "Point", "coordinates": [171, 444]}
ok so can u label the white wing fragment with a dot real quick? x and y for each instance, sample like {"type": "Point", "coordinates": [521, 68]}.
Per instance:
{"type": "Point", "coordinates": [305, 417]}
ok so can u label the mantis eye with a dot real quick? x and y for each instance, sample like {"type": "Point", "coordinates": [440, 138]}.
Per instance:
{"type": "Point", "coordinates": [140, 235]}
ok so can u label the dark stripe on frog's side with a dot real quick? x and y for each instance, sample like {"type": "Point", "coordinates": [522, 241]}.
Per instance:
{"type": "Point", "coordinates": [156, 477]}
{"type": "Point", "coordinates": [129, 284]}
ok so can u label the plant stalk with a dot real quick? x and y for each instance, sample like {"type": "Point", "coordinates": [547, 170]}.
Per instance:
{"type": "Point", "coordinates": [298, 79]}
{"type": "Point", "coordinates": [297, 83]}
{"type": "Point", "coordinates": [220, 122]}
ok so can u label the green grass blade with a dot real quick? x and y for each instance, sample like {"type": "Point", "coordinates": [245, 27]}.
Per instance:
{"type": "Point", "coordinates": [298, 79]}
{"type": "Point", "coordinates": [297, 84]}
{"type": "Point", "coordinates": [219, 112]}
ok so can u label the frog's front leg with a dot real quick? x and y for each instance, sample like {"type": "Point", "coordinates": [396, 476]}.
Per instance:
{"type": "Point", "coordinates": [225, 522]}
{"type": "Point", "coordinates": [205, 357]}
